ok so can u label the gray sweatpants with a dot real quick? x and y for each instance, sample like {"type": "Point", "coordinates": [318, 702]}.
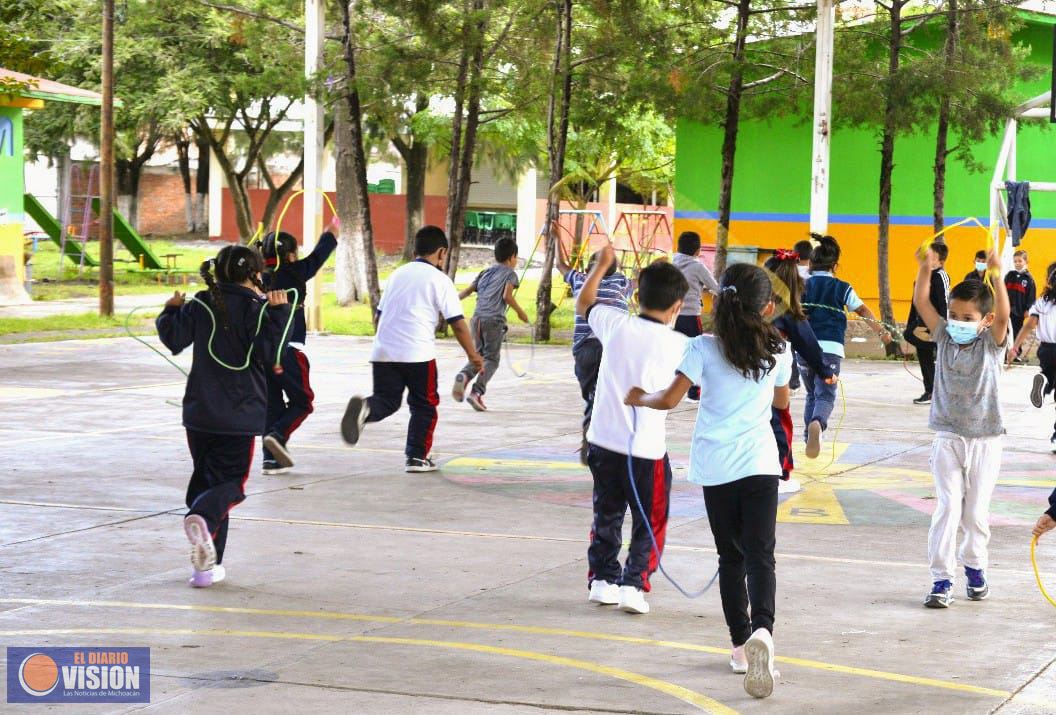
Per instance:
{"type": "Point", "coordinates": [965, 472]}
{"type": "Point", "coordinates": [487, 336]}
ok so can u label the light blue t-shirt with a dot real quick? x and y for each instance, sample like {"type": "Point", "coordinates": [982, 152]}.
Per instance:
{"type": "Point", "coordinates": [732, 438]}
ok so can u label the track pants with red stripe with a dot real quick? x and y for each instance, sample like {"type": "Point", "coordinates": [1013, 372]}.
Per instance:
{"type": "Point", "coordinates": [781, 423]}
{"type": "Point", "coordinates": [218, 483]}
{"type": "Point", "coordinates": [612, 497]}
{"type": "Point", "coordinates": [290, 396]}
{"type": "Point", "coordinates": [419, 380]}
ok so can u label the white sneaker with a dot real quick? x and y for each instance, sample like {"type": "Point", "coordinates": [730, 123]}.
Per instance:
{"type": "Point", "coordinates": [633, 600]}
{"type": "Point", "coordinates": [219, 574]}
{"type": "Point", "coordinates": [788, 486]}
{"type": "Point", "coordinates": [203, 551]}
{"type": "Point", "coordinates": [759, 652]}
{"type": "Point", "coordinates": [813, 440]}
{"type": "Point", "coordinates": [458, 391]}
{"type": "Point", "coordinates": [604, 593]}
{"type": "Point", "coordinates": [738, 663]}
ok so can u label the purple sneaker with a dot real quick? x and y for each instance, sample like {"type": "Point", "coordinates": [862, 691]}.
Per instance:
{"type": "Point", "coordinates": [201, 579]}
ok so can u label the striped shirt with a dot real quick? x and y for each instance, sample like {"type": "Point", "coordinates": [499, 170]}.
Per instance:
{"type": "Point", "coordinates": [614, 291]}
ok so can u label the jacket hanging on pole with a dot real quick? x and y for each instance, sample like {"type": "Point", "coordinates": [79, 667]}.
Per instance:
{"type": "Point", "coordinates": [1018, 209]}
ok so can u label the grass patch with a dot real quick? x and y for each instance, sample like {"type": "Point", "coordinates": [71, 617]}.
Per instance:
{"type": "Point", "coordinates": [355, 319]}
{"type": "Point", "coordinates": [72, 322]}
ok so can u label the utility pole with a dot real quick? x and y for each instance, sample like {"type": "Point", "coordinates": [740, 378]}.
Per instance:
{"type": "Point", "coordinates": [312, 223]}
{"type": "Point", "coordinates": [819, 158]}
{"type": "Point", "coordinates": [106, 168]}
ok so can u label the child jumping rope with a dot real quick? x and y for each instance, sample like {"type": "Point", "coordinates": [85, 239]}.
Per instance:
{"type": "Point", "coordinates": [743, 371]}
{"type": "Point", "coordinates": [825, 299]}
{"type": "Point", "coordinates": [966, 417]}
{"type": "Point", "coordinates": [1043, 317]}
{"type": "Point", "coordinates": [404, 352]}
{"type": "Point", "coordinates": [224, 408]}
{"type": "Point", "coordinates": [494, 287]}
{"type": "Point", "coordinates": [290, 394]}
{"type": "Point", "coordinates": [639, 350]}
{"type": "Point", "coordinates": [700, 279]}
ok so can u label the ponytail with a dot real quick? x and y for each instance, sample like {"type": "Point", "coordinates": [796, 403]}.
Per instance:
{"type": "Point", "coordinates": [206, 271]}
{"type": "Point", "coordinates": [233, 264]}
{"type": "Point", "coordinates": [748, 341]}
{"type": "Point", "coordinates": [784, 271]}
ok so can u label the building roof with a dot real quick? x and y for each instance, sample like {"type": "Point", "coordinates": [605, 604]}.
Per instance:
{"type": "Point", "coordinates": [46, 89]}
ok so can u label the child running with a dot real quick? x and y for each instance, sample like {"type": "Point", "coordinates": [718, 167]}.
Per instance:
{"type": "Point", "coordinates": [404, 353]}
{"type": "Point", "coordinates": [640, 350]}
{"type": "Point", "coordinates": [700, 279]}
{"type": "Point", "coordinates": [614, 291]}
{"type": "Point", "coordinates": [494, 287]}
{"type": "Point", "coordinates": [1043, 317]}
{"type": "Point", "coordinates": [825, 300]}
{"type": "Point", "coordinates": [794, 327]}
{"type": "Point", "coordinates": [743, 372]}
{"type": "Point", "coordinates": [224, 408]}
{"type": "Point", "coordinates": [290, 394]}
{"type": "Point", "coordinates": [1022, 291]}
{"type": "Point", "coordinates": [966, 417]}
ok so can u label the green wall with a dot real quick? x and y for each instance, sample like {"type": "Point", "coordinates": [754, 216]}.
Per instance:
{"type": "Point", "coordinates": [12, 179]}
{"type": "Point", "coordinates": [772, 171]}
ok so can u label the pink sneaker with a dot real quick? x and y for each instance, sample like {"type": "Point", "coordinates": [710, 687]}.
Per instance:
{"type": "Point", "coordinates": [201, 579]}
{"type": "Point", "coordinates": [476, 401]}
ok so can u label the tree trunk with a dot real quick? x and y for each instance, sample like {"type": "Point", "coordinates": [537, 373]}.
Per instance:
{"type": "Point", "coordinates": [556, 140]}
{"type": "Point", "coordinates": [358, 230]}
{"type": "Point", "coordinates": [729, 140]}
{"type": "Point", "coordinates": [887, 164]}
{"type": "Point", "coordinates": [201, 187]}
{"type": "Point", "coordinates": [942, 133]}
{"type": "Point", "coordinates": [128, 174]}
{"type": "Point", "coordinates": [183, 160]}
{"type": "Point", "coordinates": [416, 162]}
{"type": "Point", "coordinates": [349, 269]}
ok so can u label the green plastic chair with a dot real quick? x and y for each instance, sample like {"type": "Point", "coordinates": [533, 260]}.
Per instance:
{"type": "Point", "coordinates": [386, 186]}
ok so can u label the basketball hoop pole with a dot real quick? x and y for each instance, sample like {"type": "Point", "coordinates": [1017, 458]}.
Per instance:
{"type": "Point", "coordinates": [819, 168]}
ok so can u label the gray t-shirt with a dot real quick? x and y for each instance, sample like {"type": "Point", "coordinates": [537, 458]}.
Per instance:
{"type": "Point", "coordinates": [699, 278]}
{"type": "Point", "coordinates": [490, 285]}
{"type": "Point", "coordinates": [964, 400]}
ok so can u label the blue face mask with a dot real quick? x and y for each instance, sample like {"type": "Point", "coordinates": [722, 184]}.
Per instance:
{"type": "Point", "coordinates": [980, 266]}
{"type": "Point", "coordinates": [962, 332]}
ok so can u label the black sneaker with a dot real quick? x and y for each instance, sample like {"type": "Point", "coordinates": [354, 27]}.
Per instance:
{"type": "Point", "coordinates": [414, 464]}
{"type": "Point", "coordinates": [978, 588]}
{"type": "Point", "coordinates": [924, 399]}
{"type": "Point", "coordinates": [355, 417]}
{"type": "Point", "coordinates": [940, 596]}
{"type": "Point", "coordinates": [272, 466]}
{"type": "Point", "coordinates": [277, 446]}
{"type": "Point", "coordinates": [1037, 391]}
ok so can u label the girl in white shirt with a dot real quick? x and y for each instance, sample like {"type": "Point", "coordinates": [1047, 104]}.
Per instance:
{"type": "Point", "coordinates": [1043, 317]}
{"type": "Point", "coordinates": [743, 370]}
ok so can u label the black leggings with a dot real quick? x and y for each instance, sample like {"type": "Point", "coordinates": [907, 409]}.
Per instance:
{"type": "Point", "coordinates": [743, 517]}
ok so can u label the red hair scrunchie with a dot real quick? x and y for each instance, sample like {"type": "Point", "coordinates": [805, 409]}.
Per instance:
{"type": "Point", "coordinates": [785, 255]}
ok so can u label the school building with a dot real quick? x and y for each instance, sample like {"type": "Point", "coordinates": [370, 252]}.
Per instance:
{"type": "Point", "coordinates": [772, 180]}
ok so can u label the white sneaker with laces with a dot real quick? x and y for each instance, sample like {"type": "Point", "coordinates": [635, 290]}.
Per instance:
{"type": "Point", "coordinates": [219, 574]}
{"type": "Point", "coordinates": [203, 551]}
{"type": "Point", "coordinates": [738, 663]}
{"type": "Point", "coordinates": [604, 593]}
{"type": "Point", "coordinates": [632, 600]}
{"type": "Point", "coordinates": [759, 652]}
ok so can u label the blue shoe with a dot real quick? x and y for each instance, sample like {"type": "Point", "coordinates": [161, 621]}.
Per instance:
{"type": "Point", "coordinates": [978, 589]}
{"type": "Point", "coordinates": [940, 596]}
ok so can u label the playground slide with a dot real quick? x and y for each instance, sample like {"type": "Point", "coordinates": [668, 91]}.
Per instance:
{"type": "Point", "coordinates": [52, 227]}
{"type": "Point", "coordinates": [135, 244]}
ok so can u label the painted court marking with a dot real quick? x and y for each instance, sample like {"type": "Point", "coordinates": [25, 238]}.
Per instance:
{"type": "Point", "coordinates": [502, 627]}
{"type": "Point", "coordinates": [692, 697]}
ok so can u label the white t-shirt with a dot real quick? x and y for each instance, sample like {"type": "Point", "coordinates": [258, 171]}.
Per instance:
{"type": "Point", "coordinates": [417, 293]}
{"type": "Point", "coordinates": [1045, 311]}
{"type": "Point", "coordinates": [732, 438]}
{"type": "Point", "coordinates": [637, 352]}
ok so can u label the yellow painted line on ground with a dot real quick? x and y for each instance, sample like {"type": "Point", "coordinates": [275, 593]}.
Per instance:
{"type": "Point", "coordinates": [815, 504]}
{"type": "Point", "coordinates": [686, 695]}
{"type": "Point", "coordinates": [60, 505]}
{"type": "Point", "coordinates": [516, 628]}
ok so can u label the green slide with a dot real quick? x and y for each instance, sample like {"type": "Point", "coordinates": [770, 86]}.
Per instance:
{"type": "Point", "coordinates": [135, 244]}
{"type": "Point", "coordinates": [51, 227]}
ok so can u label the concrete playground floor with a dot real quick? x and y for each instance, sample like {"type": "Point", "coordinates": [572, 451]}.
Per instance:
{"type": "Point", "coordinates": [354, 587]}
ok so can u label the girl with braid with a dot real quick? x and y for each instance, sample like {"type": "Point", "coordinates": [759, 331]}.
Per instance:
{"type": "Point", "coordinates": [232, 324]}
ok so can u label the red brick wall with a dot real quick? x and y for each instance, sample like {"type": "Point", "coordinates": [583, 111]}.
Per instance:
{"type": "Point", "coordinates": [388, 213]}
{"type": "Point", "coordinates": [161, 202]}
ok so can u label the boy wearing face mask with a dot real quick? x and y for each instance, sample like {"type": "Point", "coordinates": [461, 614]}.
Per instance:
{"type": "Point", "coordinates": [978, 272]}
{"type": "Point", "coordinates": [966, 416]}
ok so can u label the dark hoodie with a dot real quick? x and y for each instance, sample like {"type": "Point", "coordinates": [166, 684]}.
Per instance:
{"type": "Point", "coordinates": [217, 399]}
